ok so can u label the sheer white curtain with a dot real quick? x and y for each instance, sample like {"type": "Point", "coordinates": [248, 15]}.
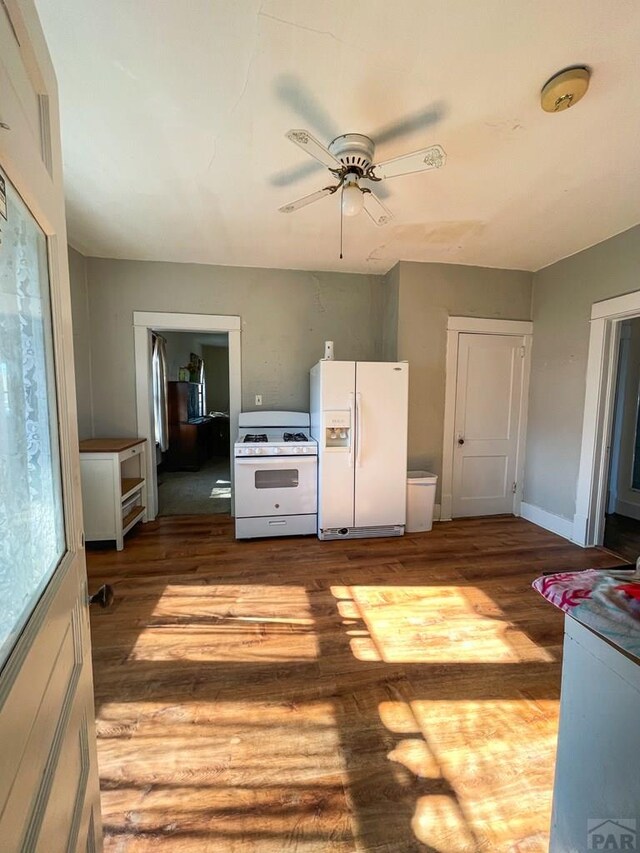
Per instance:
{"type": "Point", "coordinates": [31, 511]}
{"type": "Point", "coordinates": [203, 390]}
{"type": "Point", "coordinates": [159, 373]}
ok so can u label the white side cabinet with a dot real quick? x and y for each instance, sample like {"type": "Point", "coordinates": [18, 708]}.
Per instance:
{"type": "Point", "coordinates": [596, 795]}
{"type": "Point", "coordinates": [114, 488]}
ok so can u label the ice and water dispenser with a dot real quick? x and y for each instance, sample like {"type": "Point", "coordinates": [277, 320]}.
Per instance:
{"type": "Point", "coordinates": [337, 430]}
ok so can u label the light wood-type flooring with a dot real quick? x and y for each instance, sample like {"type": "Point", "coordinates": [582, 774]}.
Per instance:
{"type": "Point", "coordinates": [384, 695]}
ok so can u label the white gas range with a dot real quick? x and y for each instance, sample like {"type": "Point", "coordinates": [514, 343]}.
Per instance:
{"type": "Point", "coordinates": [276, 475]}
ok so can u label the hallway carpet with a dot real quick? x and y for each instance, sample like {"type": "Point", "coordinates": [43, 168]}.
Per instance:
{"type": "Point", "coordinates": [203, 492]}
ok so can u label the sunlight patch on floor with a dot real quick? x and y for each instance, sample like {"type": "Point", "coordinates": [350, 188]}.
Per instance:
{"type": "Point", "coordinates": [432, 624]}
{"type": "Point", "coordinates": [503, 776]}
{"type": "Point", "coordinates": [439, 824]}
{"type": "Point", "coordinates": [204, 623]}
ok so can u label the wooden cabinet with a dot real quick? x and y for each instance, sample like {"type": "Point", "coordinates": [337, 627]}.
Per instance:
{"type": "Point", "coordinates": [220, 436]}
{"type": "Point", "coordinates": [191, 438]}
{"type": "Point", "coordinates": [114, 488]}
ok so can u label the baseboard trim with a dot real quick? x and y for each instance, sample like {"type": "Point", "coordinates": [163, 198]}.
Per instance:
{"type": "Point", "coordinates": [628, 508]}
{"type": "Point", "coordinates": [555, 523]}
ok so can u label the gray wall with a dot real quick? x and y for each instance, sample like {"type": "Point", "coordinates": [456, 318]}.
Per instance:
{"type": "Point", "coordinates": [179, 347]}
{"type": "Point", "coordinates": [286, 316]}
{"type": "Point", "coordinates": [390, 300]}
{"type": "Point", "coordinates": [562, 298]}
{"type": "Point", "coordinates": [428, 295]}
{"type": "Point", "coordinates": [81, 341]}
{"type": "Point", "coordinates": [216, 372]}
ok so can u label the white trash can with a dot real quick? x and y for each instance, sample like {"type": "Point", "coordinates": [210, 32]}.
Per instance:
{"type": "Point", "coordinates": [421, 496]}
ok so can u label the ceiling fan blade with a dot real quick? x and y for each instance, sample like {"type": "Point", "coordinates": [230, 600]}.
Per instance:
{"type": "Point", "coordinates": [307, 199]}
{"type": "Point", "coordinates": [295, 173]}
{"type": "Point", "coordinates": [376, 209]}
{"type": "Point", "coordinates": [378, 187]}
{"type": "Point", "coordinates": [409, 124]}
{"type": "Point", "coordinates": [299, 98]}
{"type": "Point", "coordinates": [314, 148]}
{"type": "Point", "coordinates": [420, 161]}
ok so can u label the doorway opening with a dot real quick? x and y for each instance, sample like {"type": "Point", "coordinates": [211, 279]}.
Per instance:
{"type": "Point", "coordinates": [191, 420]}
{"type": "Point", "coordinates": [622, 512]}
{"type": "Point", "coordinates": [177, 356]}
{"type": "Point", "coordinates": [607, 328]}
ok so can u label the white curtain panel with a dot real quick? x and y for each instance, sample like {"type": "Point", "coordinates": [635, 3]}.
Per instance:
{"type": "Point", "coordinates": [159, 372]}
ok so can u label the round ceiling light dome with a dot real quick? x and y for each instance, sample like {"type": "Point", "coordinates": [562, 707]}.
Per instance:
{"type": "Point", "coordinates": [352, 199]}
{"type": "Point", "coordinates": [565, 89]}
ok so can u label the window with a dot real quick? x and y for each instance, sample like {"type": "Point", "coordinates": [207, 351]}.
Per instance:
{"type": "Point", "coordinates": [31, 510]}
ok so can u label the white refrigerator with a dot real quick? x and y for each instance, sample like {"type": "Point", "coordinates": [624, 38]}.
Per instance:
{"type": "Point", "coordinates": [359, 413]}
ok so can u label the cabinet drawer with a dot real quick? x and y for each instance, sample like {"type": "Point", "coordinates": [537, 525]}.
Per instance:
{"type": "Point", "coordinates": [130, 452]}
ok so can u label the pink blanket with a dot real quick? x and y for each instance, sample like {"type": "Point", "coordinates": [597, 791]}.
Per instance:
{"type": "Point", "coordinates": [594, 598]}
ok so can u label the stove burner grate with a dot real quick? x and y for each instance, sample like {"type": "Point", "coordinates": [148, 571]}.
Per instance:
{"type": "Point", "coordinates": [295, 436]}
{"type": "Point", "coordinates": [251, 438]}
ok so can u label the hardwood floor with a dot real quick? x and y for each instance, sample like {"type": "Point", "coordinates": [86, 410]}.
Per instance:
{"type": "Point", "coordinates": [622, 536]}
{"type": "Point", "coordinates": [294, 695]}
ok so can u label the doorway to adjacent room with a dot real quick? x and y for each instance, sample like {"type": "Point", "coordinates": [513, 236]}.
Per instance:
{"type": "Point", "coordinates": [188, 400]}
{"type": "Point", "coordinates": [622, 514]}
{"type": "Point", "coordinates": [191, 420]}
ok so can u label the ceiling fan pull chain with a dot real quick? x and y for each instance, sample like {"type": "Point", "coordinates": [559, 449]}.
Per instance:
{"type": "Point", "coordinates": [341, 219]}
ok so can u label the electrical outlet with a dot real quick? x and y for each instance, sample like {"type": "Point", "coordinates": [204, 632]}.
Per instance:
{"type": "Point", "coordinates": [258, 399]}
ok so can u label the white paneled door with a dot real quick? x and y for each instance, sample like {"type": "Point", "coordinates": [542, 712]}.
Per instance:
{"type": "Point", "coordinates": [49, 796]}
{"type": "Point", "coordinates": [487, 420]}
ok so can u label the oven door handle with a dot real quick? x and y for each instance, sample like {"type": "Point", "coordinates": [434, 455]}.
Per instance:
{"type": "Point", "coordinates": [352, 429]}
{"type": "Point", "coordinates": [300, 459]}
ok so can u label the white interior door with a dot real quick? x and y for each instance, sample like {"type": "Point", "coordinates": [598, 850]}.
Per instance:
{"type": "Point", "coordinates": [49, 797]}
{"type": "Point", "coordinates": [382, 392]}
{"type": "Point", "coordinates": [487, 418]}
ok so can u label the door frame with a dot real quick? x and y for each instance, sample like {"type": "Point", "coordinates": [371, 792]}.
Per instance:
{"type": "Point", "coordinates": [604, 338]}
{"type": "Point", "coordinates": [457, 326]}
{"type": "Point", "coordinates": [35, 170]}
{"type": "Point", "coordinates": [146, 322]}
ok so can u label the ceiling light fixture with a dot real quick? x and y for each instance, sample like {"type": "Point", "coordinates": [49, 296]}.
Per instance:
{"type": "Point", "coordinates": [352, 197]}
{"type": "Point", "coordinates": [565, 89]}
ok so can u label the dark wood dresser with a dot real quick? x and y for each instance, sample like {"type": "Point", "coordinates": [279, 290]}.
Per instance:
{"type": "Point", "coordinates": [191, 440]}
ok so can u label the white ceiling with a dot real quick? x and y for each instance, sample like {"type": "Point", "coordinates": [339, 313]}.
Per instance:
{"type": "Point", "coordinates": [174, 114]}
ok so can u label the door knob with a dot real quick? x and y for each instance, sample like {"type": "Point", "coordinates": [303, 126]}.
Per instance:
{"type": "Point", "coordinates": [103, 597]}
{"type": "Point", "coordinates": [461, 440]}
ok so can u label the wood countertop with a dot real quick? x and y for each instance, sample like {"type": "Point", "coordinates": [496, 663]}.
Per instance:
{"type": "Point", "coordinates": [108, 445]}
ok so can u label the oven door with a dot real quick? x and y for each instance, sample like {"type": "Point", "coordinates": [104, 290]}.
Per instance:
{"type": "Point", "coordinates": [276, 485]}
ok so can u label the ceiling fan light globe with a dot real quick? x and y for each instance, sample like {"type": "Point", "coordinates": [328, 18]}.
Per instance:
{"type": "Point", "coordinates": [352, 200]}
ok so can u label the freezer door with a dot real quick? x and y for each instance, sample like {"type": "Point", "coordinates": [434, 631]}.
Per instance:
{"type": "Point", "coordinates": [382, 399]}
{"type": "Point", "coordinates": [333, 389]}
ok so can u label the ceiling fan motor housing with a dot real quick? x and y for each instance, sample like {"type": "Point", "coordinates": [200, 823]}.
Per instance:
{"type": "Point", "coordinates": [354, 150]}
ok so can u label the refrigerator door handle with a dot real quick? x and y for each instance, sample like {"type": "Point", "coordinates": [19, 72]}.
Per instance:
{"type": "Point", "coordinates": [360, 428]}
{"type": "Point", "coordinates": [352, 428]}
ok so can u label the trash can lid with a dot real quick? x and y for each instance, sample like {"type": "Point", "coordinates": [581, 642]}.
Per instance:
{"type": "Point", "coordinates": [421, 477]}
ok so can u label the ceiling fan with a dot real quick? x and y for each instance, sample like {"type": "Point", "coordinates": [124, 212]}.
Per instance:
{"type": "Point", "coordinates": [349, 158]}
